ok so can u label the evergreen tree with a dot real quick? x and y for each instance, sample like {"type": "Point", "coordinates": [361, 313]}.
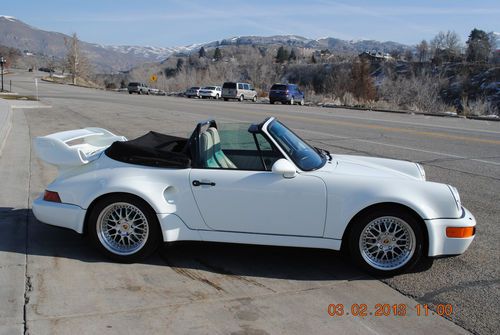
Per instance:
{"type": "Point", "coordinates": [313, 59]}
{"type": "Point", "coordinates": [217, 54]}
{"type": "Point", "coordinates": [202, 53]}
{"type": "Point", "coordinates": [478, 46]}
{"type": "Point", "coordinates": [292, 56]}
{"type": "Point", "coordinates": [282, 55]}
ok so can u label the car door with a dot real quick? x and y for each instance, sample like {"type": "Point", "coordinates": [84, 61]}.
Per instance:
{"type": "Point", "coordinates": [258, 201]}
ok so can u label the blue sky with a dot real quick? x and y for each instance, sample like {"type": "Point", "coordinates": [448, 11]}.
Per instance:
{"type": "Point", "coordinates": [174, 23]}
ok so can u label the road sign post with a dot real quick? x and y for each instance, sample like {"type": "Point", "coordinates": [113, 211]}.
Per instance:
{"type": "Point", "coordinates": [2, 62]}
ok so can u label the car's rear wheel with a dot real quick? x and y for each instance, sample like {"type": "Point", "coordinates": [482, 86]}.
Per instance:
{"type": "Point", "coordinates": [386, 242]}
{"type": "Point", "coordinates": [124, 228]}
{"type": "Point", "coordinates": [241, 98]}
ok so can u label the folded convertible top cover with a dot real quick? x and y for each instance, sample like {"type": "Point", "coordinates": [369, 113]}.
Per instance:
{"type": "Point", "coordinates": [152, 149]}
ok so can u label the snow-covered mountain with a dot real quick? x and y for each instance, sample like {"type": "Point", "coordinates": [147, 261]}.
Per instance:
{"type": "Point", "coordinates": [105, 58]}
{"type": "Point", "coordinates": [150, 52]}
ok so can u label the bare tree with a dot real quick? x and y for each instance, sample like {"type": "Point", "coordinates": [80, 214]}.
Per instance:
{"type": "Point", "coordinates": [446, 46]}
{"type": "Point", "coordinates": [423, 51]}
{"type": "Point", "coordinates": [76, 62]}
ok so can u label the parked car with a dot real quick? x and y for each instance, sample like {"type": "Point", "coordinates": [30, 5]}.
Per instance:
{"type": "Point", "coordinates": [286, 94]}
{"type": "Point", "coordinates": [155, 91]}
{"type": "Point", "coordinates": [193, 92]}
{"type": "Point", "coordinates": [247, 183]}
{"type": "Point", "coordinates": [210, 92]}
{"type": "Point", "coordinates": [240, 91]}
{"type": "Point", "coordinates": [139, 88]}
{"type": "Point", "coordinates": [46, 69]}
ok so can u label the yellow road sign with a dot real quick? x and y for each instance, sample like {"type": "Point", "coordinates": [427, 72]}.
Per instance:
{"type": "Point", "coordinates": [153, 77]}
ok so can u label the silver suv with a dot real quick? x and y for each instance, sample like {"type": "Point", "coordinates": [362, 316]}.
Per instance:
{"type": "Point", "coordinates": [139, 88]}
{"type": "Point", "coordinates": [240, 91]}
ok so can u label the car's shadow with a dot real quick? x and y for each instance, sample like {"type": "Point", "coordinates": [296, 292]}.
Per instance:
{"type": "Point", "coordinates": [21, 233]}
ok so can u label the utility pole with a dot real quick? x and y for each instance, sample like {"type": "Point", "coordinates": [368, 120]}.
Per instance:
{"type": "Point", "coordinates": [2, 62]}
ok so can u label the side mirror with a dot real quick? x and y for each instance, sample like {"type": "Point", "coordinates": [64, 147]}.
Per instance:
{"type": "Point", "coordinates": [284, 168]}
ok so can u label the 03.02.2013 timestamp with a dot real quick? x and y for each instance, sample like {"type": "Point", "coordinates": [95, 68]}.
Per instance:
{"type": "Point", "coordinates": [385, 310]}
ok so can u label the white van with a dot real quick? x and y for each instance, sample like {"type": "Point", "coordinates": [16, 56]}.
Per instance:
{"type": "Point", "coordinates": [240, 91]}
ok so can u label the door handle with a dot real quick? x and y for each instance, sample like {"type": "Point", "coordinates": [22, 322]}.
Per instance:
{"type": "Point", "coordinates": [199, 183]}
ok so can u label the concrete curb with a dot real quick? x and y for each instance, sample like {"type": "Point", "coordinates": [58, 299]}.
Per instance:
{"type": "Point", "coordinates": [5, 123]}
{"type": "Point", "coordinates": [471, 117]}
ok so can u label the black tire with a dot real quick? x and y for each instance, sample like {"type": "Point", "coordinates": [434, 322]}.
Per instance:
{"type": "Point", "coordinates": [241, 98]}
{"type": "Point", "coordinates": [254, 99]}
{"type": "Point", "coordinates": [154, 232]}
{"type": "Point", "coordinates": [302, 102]}
{"type": "Point", "coordinates": [139, 92]}
{"type": "Point", "coordinates": [226, 99]}
{"type": "Point", "coordinates": [271, 102]}
{"type": "Point", "coordinates": [292, 101]}
{"type": "Point", "coordinates": [217, 97]}
{"type": "Point", "coordinates": [354, 245]}
{"type": "Point", "coordinates": [129, 92]}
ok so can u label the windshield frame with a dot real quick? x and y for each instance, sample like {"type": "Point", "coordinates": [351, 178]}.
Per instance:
{"type": "Point", "coordinates": [301, 142]}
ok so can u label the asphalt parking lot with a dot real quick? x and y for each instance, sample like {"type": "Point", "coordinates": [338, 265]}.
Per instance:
{"type": "Point", "coordinates": [53, 282]}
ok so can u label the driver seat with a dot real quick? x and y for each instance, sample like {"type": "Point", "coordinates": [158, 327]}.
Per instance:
{"type": "Point", "coordinates": [219, 155]}
{"type": "Point", "coordinates": [207, 151]}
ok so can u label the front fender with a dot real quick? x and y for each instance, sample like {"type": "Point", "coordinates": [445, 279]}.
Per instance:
{"type": "Point", "coordinates": [347, 197]}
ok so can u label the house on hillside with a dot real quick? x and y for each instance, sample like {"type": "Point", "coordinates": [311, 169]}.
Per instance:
{"type": "Point", "coordinates": [374, 55]}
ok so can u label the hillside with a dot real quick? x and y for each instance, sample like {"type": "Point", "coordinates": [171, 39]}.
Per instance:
{"type": "Point", "coordinates": [110, 59]}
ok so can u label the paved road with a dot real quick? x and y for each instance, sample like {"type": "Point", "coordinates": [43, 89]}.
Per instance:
{"type": "Point", "coordinates": [464, 153]}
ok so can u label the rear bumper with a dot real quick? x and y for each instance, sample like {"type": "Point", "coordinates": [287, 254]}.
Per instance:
{"type": "Point", "coordinates": [439, 244]}
{"type": "Point", "coordinates": [58, 214]}
{"type": "Point", "coordinates": [280, 97]}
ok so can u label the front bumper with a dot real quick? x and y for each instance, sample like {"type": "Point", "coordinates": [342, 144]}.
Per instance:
{"type": "Point", "coordinates": [439, 244]}
{"type": "Point", "coordinates": [59, 214]}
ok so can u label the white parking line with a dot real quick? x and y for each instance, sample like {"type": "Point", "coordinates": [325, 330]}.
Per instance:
{"type": "Point", "coordinates": [331, 114]}
{"type": "Point", "coordinates": [404, 147]}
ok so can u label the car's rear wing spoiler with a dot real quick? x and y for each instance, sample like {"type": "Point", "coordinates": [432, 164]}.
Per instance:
{"type": "Point", "coordinates": [74, 147]}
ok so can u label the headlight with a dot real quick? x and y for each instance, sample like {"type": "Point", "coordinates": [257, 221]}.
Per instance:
{"type": "Point", "coordinates": [455, 194]}
{"type": "Point", "coordinates": [421, 170]}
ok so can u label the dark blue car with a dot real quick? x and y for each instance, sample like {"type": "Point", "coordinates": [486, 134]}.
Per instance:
{"type": "Point", "coordinates": [286, 94]}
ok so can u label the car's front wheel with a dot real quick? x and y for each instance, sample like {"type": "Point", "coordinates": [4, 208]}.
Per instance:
{"type": "Point", "coordinates": [124, 228]}
{"type": "Point", "coordinates": [241, 98]}
{"type": "Point", "coordinates": [386, 242]}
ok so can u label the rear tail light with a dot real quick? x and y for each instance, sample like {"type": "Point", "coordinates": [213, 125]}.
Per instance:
{"type": "Point", "coordinates": [460, 232]}
{"type": "Point", "coordinates": [51, 196]}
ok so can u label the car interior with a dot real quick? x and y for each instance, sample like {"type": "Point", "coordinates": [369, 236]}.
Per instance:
{"type": "Point", "coordinates": [236, 149]}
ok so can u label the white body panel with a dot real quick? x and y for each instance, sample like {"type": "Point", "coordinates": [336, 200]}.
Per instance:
{"type": "Point", "coordinates": [261, 202]}
{"type": "Point", "coordinates": [309, 209]}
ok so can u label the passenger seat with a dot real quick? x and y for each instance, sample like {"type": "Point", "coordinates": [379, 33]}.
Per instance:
{"type": "Point", "coordinates": [219, 155]}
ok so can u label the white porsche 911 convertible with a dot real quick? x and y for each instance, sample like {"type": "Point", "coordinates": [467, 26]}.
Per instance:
{"type": "Point", "coordinates": [252, 184]}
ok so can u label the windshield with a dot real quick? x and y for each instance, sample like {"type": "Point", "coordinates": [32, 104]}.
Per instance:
{"type": "Point", "coordinates": [209, 88]}
{"type": "Point", "coordinates": [302, 154]}
{"type": "Point", "coordinates": [229, 85]}
{"type": "Point", "coordinates": [277, 87]}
